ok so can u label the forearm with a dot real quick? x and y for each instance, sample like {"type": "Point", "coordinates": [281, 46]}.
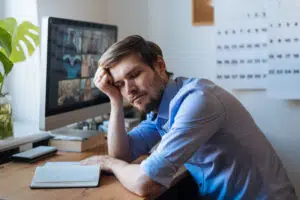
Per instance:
{"type": "Point", "coordinates": [118, 141]}
{"type": "Point", "coordinates": [131, 176]}
{"type": "Point", "coordinates": [134, 179]}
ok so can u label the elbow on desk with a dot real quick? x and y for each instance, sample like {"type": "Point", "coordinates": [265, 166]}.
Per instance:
{"type": "Point", "coordinates": [148, 188]}
{"type": "Point", "coordinates": [146, 192]}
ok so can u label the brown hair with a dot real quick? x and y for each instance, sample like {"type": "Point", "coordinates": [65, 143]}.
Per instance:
{"type": "Point", "coordinates": [148, 51]}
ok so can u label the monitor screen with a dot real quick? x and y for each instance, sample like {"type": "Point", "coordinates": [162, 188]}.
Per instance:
{"type": "Point", "coordinates": [72, 51]}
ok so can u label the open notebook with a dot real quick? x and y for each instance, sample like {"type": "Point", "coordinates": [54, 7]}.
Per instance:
{"type": "Point", "coordinates": [65, 175]}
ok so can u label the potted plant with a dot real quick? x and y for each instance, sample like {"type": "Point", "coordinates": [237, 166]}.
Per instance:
{"type": "Point", "coordinates": [12, 52]}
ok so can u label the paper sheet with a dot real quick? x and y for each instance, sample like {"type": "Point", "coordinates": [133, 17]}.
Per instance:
{"type": "Point", "coordinates": [284, 49]}
{"type": "Point", "coordinates": [241, 44]}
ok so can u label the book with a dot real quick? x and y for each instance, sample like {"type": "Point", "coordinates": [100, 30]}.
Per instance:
{"type": "Point", "coordinates": [61, 175]}
{"type": "Point", "coordinates": [77, 141]}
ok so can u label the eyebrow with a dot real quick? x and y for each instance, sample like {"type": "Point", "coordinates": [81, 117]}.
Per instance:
{"type": "Point", "coordinates": [129, 73]}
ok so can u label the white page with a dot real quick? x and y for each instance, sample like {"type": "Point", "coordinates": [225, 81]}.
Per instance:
{"type": "Point", "coordinates": [241, 44]}
{"type": "Point", "coordinates": [284, 42]}
{"type": "Point", "coordinates": [63, 173]}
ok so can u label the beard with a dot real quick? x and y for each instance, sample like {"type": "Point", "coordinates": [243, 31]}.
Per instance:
{"type": "Point", "coordinates": [154, 103]}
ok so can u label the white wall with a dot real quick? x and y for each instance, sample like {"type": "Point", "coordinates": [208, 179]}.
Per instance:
{"type": "Point", "coordinates": [189, 52]}
{"type": "Point", "coordinates": [131, 17]}
{"type": "Point", "coordinates": [23, 83]}
{"type": "Point", "coordinates": [1, 17]}
{"type": "Point", "coordinates": [1, 9]}
{"type": "Point", "coordinates": [88, 10]}
{"type": "Point", "coordinates": [187, 49]}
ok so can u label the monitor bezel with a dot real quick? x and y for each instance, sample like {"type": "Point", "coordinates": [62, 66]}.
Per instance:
{"type": "Point", "coordinates": [56, 118]}
{"type": "Point", "coordinates": [71, 24]}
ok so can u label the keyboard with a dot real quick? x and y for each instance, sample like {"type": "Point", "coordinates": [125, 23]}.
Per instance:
{"type": "Point", "coordinates": [34, 154]}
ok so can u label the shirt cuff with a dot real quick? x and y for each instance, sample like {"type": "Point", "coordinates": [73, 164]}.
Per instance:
{"type": "Point", "coordinates": [159, 169]}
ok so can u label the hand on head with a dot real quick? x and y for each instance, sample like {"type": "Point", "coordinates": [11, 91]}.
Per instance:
{"type": "Point", "coordinates": [104, 82]}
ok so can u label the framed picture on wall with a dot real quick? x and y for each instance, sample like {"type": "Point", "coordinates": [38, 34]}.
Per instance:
{"type": "Point", "coordinates": [202, 12]}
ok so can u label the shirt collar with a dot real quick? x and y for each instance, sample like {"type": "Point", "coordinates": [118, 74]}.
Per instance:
{"type": "Point", "coordinates": [170, 91]}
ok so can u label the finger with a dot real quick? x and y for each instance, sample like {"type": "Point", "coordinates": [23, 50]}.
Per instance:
{"type": "Point", "coordinates": [99, 72]}
{"type": "Point", "coordinates": [99, 75]}
{"type": "Point", "coordinates": [89, 161]}
{"type": "Point", "coordinates": [106, 80]}
{"type": "Point", "coordinates": [83, 162]}
{"type": "Point", "coordinates": [110, 79]}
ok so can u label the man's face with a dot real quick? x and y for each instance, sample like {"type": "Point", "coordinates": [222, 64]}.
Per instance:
{"type": "Point", "coordinates": [142, 86]}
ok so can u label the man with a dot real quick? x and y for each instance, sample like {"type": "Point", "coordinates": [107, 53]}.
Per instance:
{"type": "Point", "coordinates": [197, 123]}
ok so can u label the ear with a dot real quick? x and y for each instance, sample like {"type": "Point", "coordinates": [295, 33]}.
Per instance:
{"type": "Point", "coordinates": [160, 66]}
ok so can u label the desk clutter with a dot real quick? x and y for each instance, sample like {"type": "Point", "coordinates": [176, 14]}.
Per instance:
{"type": "Point", "coordinates": [65, 175]}
{"type": "Point", "coordinates": [129, 123]}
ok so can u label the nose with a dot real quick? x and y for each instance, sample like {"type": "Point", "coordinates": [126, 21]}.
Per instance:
{"type": "Point", "coordinates": [130, 88]}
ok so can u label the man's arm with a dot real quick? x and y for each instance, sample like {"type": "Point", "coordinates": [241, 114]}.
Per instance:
{"type": "Point", "coordinates": [118, 141]}
{"type": "Point", "coordinates": [199, 116]}
{"type": "Point", "coordinates": [134, 179]}
{"type": "Point", "coordinates": [131, 176]}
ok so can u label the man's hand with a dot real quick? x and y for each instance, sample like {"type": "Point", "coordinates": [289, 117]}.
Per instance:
{"type": "Point", "coordinates": [104, 82]}
{"type": "Point", "coordinates": [104, 161]}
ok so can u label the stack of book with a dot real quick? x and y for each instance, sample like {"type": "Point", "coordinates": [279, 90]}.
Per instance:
{"type": "Point", "coordinates": [75, 140]}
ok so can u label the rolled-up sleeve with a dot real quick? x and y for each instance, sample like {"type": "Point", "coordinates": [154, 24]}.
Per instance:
{"type": "Point", "coordinates": [143, 137]}
{"type": "Point", "coordinates": [198, 116]}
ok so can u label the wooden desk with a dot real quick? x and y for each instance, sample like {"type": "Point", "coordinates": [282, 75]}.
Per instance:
{"type": "Point", "coordinates": [15, 179]}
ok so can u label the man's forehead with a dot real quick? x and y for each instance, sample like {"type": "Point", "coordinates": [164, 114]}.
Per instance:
{"type": "Point", "coordinates": [129, 63]}
{"type": "Point", "coordinates": [120, 72]}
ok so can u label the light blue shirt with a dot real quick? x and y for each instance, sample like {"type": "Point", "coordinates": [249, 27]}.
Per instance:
{"type": "Point", "coordinates": [205, 128]}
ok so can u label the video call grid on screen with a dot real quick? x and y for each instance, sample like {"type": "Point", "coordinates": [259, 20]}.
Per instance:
{"type": "Point", "coordinates": [74, 49]}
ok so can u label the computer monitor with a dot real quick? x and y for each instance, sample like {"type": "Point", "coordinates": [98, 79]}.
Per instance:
{"type": "Point", "coordinates": [70, 50]}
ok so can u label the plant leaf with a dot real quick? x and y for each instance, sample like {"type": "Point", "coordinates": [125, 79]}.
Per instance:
{"type": "Point", "coordinates": [9, 24]}
{"type": "Point", "coordinates": [24, 30]}
{"type": "Point", "coordinates": [7, 64]}
{"type": "Point", "coordinates": [1, 79]}
{"type": "Point", "coordinates": [5, 41]}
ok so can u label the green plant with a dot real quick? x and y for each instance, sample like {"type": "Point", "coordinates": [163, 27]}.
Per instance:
{"type": "Point", "coordinates": [11, 51]}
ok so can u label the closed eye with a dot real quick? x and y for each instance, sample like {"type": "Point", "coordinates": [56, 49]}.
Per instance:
{"type": "Point", "coordinates": [134, 75]}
